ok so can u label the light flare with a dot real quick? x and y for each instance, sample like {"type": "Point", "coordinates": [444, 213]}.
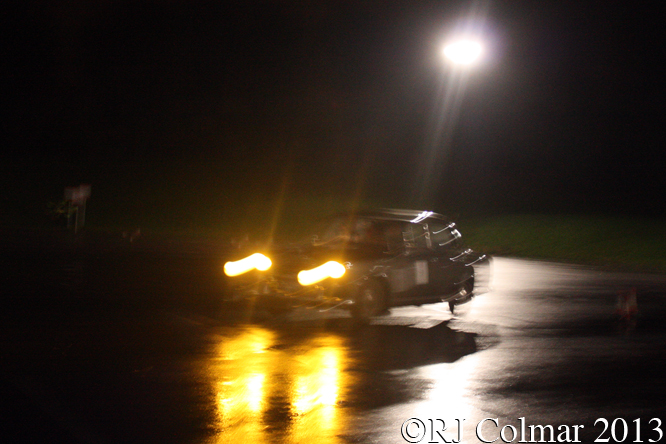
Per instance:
{"type": "Point", "coordinates": [331, 269]}
{"type": "Point", "coordinates": [421, 216]}
{"type": "Point", "coordinates": [463, 52]}
{"type": "Point", "coordinates": [257, 260]}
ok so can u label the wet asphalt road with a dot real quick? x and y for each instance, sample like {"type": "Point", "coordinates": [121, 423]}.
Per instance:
{"type": "Point", "coordinates": [105, 342]}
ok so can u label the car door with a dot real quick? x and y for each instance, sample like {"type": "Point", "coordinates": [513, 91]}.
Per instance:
{"type": "Point", "coordinates": [410, 271]}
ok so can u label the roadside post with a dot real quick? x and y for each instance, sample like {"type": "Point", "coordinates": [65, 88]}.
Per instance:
{"type": "Point", "coordinates": [77, 197]}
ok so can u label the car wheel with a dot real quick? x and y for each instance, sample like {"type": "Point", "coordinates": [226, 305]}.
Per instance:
{"type": "Point", "coordinates": [468, 288]}
{"type": "Point", "coordinates": [370, 301]}
{"type": "Point", "coordinates": [465, 292]}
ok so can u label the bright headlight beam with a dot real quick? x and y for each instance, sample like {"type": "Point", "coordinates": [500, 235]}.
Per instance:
{"type": "Point", "coordinates": [463, 52]}
{"type": "Point", "coordinates": [331, 269]}
{"type": "Point", "coordinates": [257, 260]}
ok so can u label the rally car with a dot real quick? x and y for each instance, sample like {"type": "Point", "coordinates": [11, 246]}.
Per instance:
{"type": "Point", "coordinates": [366, 262]}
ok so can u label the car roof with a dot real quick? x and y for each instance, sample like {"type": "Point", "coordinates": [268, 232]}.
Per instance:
{"type": "Point", "coordinates": [413, 216]}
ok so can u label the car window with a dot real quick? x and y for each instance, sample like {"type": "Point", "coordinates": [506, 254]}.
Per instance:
{"type": "Point", "coordinates": [392, 235]}
{"type": "Point", "coordinates": [368, 232]}
{"type": "Point", "coordinates": [352, 231]}
{"type": "Point", "coordinates": [416, 236]}
{"type": "Point", "coordinates": [335, 230]}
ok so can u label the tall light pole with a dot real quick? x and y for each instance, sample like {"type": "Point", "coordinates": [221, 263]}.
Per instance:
{"type": "Point", "coordinates": [461, 54]}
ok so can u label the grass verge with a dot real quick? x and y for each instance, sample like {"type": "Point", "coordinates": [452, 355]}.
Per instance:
{"type": "Point", "coordinates": [631, 244]}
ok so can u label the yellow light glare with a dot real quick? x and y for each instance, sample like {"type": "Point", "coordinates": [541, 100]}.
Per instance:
{"type": "Point", "coordinates": [331, 269]}
{"type": "Point", "coordinates": [257, 260]}
{"type": "Point", "coordinates": [463, 52]}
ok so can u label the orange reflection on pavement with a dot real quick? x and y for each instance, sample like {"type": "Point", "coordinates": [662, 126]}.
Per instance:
{"type": "Point", "coordinates": [316, 392]}
{"type": "Point", "coordinates": [263, 391]}
{"type": "Point", "coordinates": [239, 374]}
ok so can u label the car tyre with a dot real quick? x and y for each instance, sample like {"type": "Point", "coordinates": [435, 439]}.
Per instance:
{"type": "Point", "coordinates": [369, 302]}
{"type": "Point", "coordinates": [465, 292]}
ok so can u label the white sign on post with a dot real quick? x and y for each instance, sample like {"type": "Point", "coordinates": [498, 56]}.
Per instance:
{"type": "Point", "coordinates": [421, 268]}
{"type": "Point", "coordinates": [78, 196]}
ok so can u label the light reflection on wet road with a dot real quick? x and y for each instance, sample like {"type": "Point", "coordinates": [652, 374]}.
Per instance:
{"type": "Point", "coordinates": [523, 350]}
{"type": "Point", "coordinates": [542, 344]}
{"type": "Point", "coordinates": [310, 380]}
{"type": "Point", "coordinates": [264, 393]}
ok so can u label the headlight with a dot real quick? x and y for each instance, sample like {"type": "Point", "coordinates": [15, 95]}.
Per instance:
{"type": "Point", "coordinates": [257, 260]}
{"type": "Point", "coordinates": [329, 269]}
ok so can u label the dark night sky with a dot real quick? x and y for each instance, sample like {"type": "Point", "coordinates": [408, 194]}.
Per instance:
{"type": "Point", "coordinates": [173, 108]}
